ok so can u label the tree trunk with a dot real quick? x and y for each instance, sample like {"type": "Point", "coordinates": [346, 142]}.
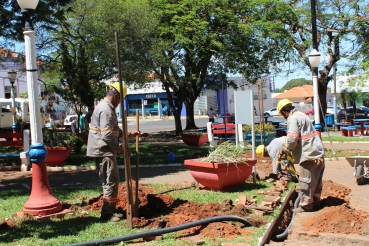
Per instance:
{"type": "Point", "coordinates": [322, 91]}
{"type": "Point", "coordinates": [190, 116]}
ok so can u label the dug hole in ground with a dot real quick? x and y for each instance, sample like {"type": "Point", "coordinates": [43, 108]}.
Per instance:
{"type": "Point", "coordinates": [343, 219]}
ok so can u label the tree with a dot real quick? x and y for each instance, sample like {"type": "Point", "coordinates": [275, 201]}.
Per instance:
{"type": "Point", "coordinates": [296, 82]}
{"type": "Point", "coordinates": [198, 42]}
{"type": "Point", "coordinates": [83, 50]}
{"type": "Point", "coordinates": [48, 13]}
{"type": "Point", "coordinates": [336, 24]}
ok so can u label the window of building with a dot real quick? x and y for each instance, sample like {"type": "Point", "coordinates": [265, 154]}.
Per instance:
{"type": "Point", "coordinates": [7, 90]}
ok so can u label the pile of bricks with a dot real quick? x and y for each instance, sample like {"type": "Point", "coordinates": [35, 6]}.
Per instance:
{"type": "Point", "coordinates": [270, 201]}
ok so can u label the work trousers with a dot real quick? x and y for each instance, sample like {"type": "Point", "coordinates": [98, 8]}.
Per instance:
{"type": "Point", "coordinates": [311, 184]}
{"type": "Point", "coordinates": [109, 175]}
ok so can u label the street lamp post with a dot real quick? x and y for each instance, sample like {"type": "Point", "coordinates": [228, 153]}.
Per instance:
{"type": "Point", "coordinates": [41, 201]}
{"type": "Point", "coordinates": [12, 76]}
{"type": "Point", "coordinates": [314, 59]}
{"type": "Point", "coordinates": [334, 93]}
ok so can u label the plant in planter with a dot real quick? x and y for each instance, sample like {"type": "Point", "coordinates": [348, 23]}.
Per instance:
{"type": "Point", "coordinates": [58, 145]}
{"type": "Point", "coordinates": [194, 138]}
{"type": "Point", "coordinates": [224, 168]}
{"type": "Point", "coordinates": [265, 131]}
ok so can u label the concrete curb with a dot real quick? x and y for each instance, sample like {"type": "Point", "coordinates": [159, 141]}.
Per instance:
{"type": "Point", "coordinates": [77, 168]}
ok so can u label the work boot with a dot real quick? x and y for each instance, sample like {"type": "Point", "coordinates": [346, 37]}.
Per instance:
{"type": "Point", "coordinates": [302, 209]}
{"type": "Point", "coordinates": [109, 217]}
{"type": "Point", "coordinates": [317, 206]}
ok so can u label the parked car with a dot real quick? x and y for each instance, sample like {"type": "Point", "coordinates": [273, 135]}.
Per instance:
{"type": "Point", "coordinates": [271, 112]}
{"type": "Point", "coordinates": [68, 120]}
{"type": "Point", "coordinates": [310, 112]}
{"type": "Point", "coordinates": [330, 110]}
{"type": "Point", "coordinates": [361, 113]}
{"type": "Point", "coordinates": [52, 124]}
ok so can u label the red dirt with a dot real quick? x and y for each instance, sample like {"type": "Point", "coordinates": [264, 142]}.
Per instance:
{"type": "Point", "coordinates": [160, 211]}
{"type": "Point", "coordinates": [336, 215]}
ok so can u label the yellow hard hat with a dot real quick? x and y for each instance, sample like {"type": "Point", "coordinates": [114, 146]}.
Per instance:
{"type": "Point", "coordinates": [116, 86]}
{"type": "Point", "coordinates": [260, 150]}
{"type": "Point", "coordinates": [283, 103]}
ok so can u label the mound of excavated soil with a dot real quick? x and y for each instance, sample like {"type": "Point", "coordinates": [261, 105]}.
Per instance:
{"type": "Point", "coordinates": [337, 219]}
{"type": "Point", "coordinates": [336, 216]}
{"type": "Point", "coordinates": [162, 210]}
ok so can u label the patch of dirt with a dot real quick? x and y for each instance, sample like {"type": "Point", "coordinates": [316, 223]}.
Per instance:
{"type": "Point", "coordinates": [334, 194]}
{"type": "Point", "coordinates": [336, 216]}
{"type": "Point", "coordinates": [337, 220]}
{"type": "Point", "coordinates": [167, 137]}
{"type": "Point", "coordinates": [162, 210]}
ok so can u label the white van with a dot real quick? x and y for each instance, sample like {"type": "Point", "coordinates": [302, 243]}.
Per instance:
{"type": "Point", "coordinates": [6, 116]}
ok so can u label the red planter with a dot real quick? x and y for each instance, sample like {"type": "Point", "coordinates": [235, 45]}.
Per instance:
{"type": "Point", "coordinates": [220, 176]}
{"type": "Point", "coordinates": [194, 139]}
{"type": "Point", "coordinates": [56, 156]}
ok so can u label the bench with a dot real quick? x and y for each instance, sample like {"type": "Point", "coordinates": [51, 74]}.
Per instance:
{"type": "Point", "coordinates": [348, 131]}
{"type": "Point", "coordinates": [339, 125]}
{"type": "Point", "coordinates": [25, 141]}
{"type": "Point", "coordinates": [227, 131]}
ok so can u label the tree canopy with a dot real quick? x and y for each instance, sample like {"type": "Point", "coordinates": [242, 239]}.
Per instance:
{"type": "Point", "coordinates": [296, 82]}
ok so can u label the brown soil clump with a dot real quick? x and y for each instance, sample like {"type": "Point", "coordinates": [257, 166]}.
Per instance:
{"type": "Point", "coordinates": [336, 216]}
{"type": "Point", "coordinates": [338, 220]}
{"type": "Point", "coordinates": [162, 210]}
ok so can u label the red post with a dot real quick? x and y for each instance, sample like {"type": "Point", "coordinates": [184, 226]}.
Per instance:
{"type": "Point", "coordinates": [41, 201]}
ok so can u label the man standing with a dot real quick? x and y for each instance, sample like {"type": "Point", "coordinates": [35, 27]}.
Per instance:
{"type": "Point", "coordinates": [211, 115]}
{"type": "Point", "coordinates": [104, 146]}
{"type": "Point", "coordinates": [307, 150]}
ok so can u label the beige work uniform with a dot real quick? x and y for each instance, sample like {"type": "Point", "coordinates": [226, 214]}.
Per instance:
{"type": "Point", "coordinates": [307, 150]}
{"type": "Point", "coordinates": [103, 144]}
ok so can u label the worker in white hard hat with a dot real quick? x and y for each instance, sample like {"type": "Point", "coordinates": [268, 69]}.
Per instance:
{"type": "Point", "coordinates": [103, 144]}
{"type": "Point", "coordinates": [306, 148]}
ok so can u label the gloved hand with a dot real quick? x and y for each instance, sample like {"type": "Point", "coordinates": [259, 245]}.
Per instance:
{"type": "Point", "coordinates": [319, 161]}
{"type": "Point", "coordinates": [281, 154]}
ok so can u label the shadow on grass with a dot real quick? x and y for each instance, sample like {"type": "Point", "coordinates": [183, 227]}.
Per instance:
{"type": "Point", "coordinates": [46, 229]}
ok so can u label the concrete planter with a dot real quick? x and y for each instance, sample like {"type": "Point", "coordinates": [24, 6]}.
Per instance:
{"type": "Point", "coordinates": [56, 156]}
{"type": "Point", "coordinates": [194, 139]}
{"type": "Point", "coordinates": [220, 176]}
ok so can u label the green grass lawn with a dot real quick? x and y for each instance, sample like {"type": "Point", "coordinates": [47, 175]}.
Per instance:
{"type": "Point", "coordinates": [153, 154]}
{"type": "Point", "coordinates": [81, 227]}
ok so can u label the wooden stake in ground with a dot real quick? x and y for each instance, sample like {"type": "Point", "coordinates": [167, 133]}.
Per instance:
{"type": "Point", "coordinates": [127, 154]}
{"type": "Point", "coordinates": [137, 201]}
{"type": "Point", "coordinates": [127, 170]}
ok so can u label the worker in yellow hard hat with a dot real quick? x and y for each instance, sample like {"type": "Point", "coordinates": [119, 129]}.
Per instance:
{"type": "Point", "coordinates": [283, 104]}
{"type": "Point", "coordinates": [273, 150]}
{"type": "Point", "coordinates": [305, 147]}
{"type": "Point", "coordinates": [103, 145]}
{"type": "Point", "coordinates": [116, 86]}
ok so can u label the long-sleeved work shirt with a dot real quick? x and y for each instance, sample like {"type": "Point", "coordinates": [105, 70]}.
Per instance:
{"type": "Point", "coordinates": [274, 148]}
{"type": "Point", "coordinates": [104, 131]}
{"type": "Point", "coordinates": [302, 140]}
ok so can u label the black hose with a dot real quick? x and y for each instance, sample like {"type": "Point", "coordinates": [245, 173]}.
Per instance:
{"type": "Point", "coordinates": [183, 188]}
{"type": "Point", "coordinates": [166, 230]}
{"type": "Point", "coordinates": [284, 234]}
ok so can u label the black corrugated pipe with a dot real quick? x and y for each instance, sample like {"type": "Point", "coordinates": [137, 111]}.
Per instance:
{"type": "Point", "coordinates": [183, 188]}
{"type": "Point", "coordinates": [166, 230]}
{"type": "Point", "coordinates": [284, 234]}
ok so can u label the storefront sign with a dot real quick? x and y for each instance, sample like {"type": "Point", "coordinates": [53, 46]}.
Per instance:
{"type": "Point", "coordinates": [151, 96]}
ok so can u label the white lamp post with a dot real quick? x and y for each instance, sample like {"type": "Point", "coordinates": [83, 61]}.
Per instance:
{"type": "Point", "coordinates": [12, 76]}
{"type": "Point", "coordinates": [314, 59]}
{"type": "Point", "coordinates": [41, 201]}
